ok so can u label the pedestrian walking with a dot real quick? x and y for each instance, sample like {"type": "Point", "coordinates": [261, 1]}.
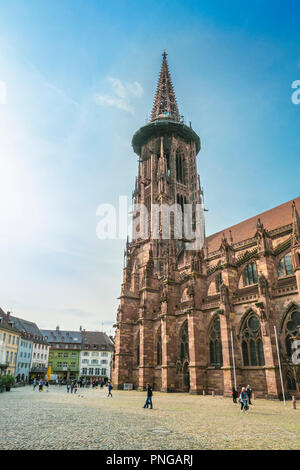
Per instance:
{"type": "Point", "coordinates": [75, 387]}
{"type": "Point", "coordinates": [68, 387]}
{"type": "Point", "coordinates": [110, 387]}
{"type": "Point", "coordinates": [244, 400]}
{"type": "Point", "coordinates": [47, 385]}
{"type": "Point", "coordinates": [149, 397]}
{"type": "Point", "coordinates": [34, 383]}
{"type": "Point", "coordinates": [249, 394]}
{"type": "Point", "coordinates": [234, 395]}
{"type": "Point", "coordinates": [41, 385]}
{"type": "Point", "coordinates": [72, 386]}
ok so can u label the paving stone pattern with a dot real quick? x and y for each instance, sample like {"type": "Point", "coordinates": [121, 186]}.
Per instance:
{"type": "Point", "coordinates": [89, 420]}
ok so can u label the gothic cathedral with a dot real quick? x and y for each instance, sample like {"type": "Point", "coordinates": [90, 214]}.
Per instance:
{"type": "Point", "coordinates": [204, 320]}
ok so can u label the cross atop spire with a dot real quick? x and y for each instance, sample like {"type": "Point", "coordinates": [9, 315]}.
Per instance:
{"type": "Point", "coordinates": [165, 105]}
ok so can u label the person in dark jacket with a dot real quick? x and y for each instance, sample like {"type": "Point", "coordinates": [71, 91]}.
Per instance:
{"type": "Point", "coordinates": [149, 397]}
{"type": "Point", "coordinates": [110, 387]}
{"type": "Point", "coordinates": [234, 395]}
{"type": "Point", "coordinates": [249, 394]}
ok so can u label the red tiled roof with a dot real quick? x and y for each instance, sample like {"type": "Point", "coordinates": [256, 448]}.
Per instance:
{"type": "Point", "coordinates": [274, 218]}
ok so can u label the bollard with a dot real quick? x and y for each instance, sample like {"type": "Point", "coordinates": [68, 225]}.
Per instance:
{"type": "Point", "coordinates": [294, 402]}
{"type": "Point", "coordinates": [203, 393]}
{"type": "Point", "coordinates": [213, 393]}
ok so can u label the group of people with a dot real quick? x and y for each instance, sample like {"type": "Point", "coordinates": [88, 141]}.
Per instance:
{"type": "Point", "coordinates": [73, 385]}
{"type": "Point", "coordinates": [41, 383]}
{"type": "Point", "coordinates": [244, 397]}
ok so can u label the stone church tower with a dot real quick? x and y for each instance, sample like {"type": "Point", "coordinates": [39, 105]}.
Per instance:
{"type": "Point", "coordinates": [203, 320]}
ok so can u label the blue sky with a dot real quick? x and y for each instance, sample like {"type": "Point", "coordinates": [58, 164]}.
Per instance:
{"type": "Point", "coordinates": [79, 80]}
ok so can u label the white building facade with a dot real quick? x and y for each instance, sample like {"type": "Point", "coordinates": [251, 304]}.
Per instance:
{"type": "Point", "coordinates": [39, 358]}
{"type": "Point", "coordinates": [95, 364]}
{"type": "Point", "coordinates": [96, 356]}
{"type": "Point", "coordinates": [3, 363]}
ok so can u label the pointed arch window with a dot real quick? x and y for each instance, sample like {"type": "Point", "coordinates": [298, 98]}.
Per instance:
{"type": "Point", "coordinates": [215, 344]}
{"type": "Point", "coordinates": [179, 167]}
{"type": "Point", "coordinates": [250, 274]}
{"type": "Point", "coordinates": [291, 329]}
{"type": "Point", "coordinates": [290, 380]}
{"type": "Point", "coordinates": [137, 350]}
{"type": "Point", "coordinates": [252, 345]}
{"type": "Point", "coordinates": [184, 342]}
{"type": "Point", "coordinates": [159, 349]}
{"type": "Point", "coordinates": [285, 266]}
{"type": "Point", "coordinates": [218, 281]}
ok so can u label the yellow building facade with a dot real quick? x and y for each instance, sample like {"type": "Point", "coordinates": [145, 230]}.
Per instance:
{"type": "Point", "coordinates": [9, 343]}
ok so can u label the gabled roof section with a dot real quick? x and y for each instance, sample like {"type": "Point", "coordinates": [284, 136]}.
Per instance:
{"type": "Point", "coordinates": [277, 217]}
{"type": "Point", "coordinates": [6, 322]}
{"type": "Point", "coordinates": [97, 339]}
{"type": "Point", "coordinates": [62, 336]}
{"type": "Point", "coordinates": [29, 328]}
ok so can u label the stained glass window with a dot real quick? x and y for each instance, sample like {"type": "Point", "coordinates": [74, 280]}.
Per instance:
{"type": "Point", "coordinates": [184, 342]}
{"type": "Point", "coordinates": [215, 344]}
{"type": "Point", "coordinates": [291, 329]}
{"type": "Point", "coordinates": [252, 346]}
{"type": "Point", "coordinates": [159, 349]}
{"type": "Point", "coordinates": [285, 266]}
{"type": "Point", "coordinates": [250, 274]}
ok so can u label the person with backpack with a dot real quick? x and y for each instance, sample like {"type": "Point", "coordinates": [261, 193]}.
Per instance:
{"type": "Point", "coordinates": [110, 387]}
{"type": "Point", "coordinates": [149, 397]}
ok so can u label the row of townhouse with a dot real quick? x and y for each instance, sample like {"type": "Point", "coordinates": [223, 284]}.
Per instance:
{"type": "Point", "coordinates": [80, 354]}
{"type": "Point", "coordinates": [26, 352]}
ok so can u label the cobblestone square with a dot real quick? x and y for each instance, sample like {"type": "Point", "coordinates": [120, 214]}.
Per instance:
{"type": "Point", "coordinates": [89, 420]}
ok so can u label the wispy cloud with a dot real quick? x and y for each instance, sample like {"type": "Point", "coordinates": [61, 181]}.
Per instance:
{"type": "Point", "coordinates": [121, 95]}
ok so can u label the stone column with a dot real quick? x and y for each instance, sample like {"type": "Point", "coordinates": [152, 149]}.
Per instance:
{"type": "Point", "coordinates": [146, 368]}
{"type": "Point", "coordinates": [228, 373]}
{"type": "Point", "coordinates": [271, 361]}
{"type": "Point", "coordinates": [122, 371]}
{"type": "Point", "coordinates": [169, 353]}
{"type": "Point", "coordinates": [197, 352]}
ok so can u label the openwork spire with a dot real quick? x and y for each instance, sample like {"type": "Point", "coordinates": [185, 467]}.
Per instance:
{"type": "Point", "coordinates": [165, 105]}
